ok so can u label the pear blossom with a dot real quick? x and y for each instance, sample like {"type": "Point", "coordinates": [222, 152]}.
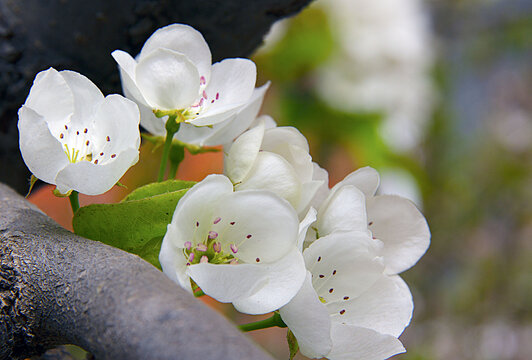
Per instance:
{"type": "Point", "coordinates": [74, 137]}
{"type": "Point", "coordinates": [353, 206]}
{"type": "Point", "coordinates": [238, 247]}
{"type": "Point", "coordinates": [348, 308]}
{"type": "Point", "coordinates": [173, 74]}
{"type": "Point", "coordinates": [275, 159]}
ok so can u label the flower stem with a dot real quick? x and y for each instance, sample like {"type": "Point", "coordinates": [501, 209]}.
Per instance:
{"type": "Point", "coordinates": [274, 320]}
{"type": "Point", "coordinates": [74, 201]}
{"type": "Point", "coordinates": [171, 128]}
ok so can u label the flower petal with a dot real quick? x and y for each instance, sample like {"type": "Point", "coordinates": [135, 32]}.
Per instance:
{"type": "Point", "coordinates": [91, 179]}
{"type": "Point", "coordinates": [353, 342]}
{"type": "Point", "coordinates": [228, 283]}
{"type": "Point", "coordinates": [283, 280]}
{"type": "Point", "coordinates": [51, 98]}
{"type": "Point", "coordinates": [127, 66]}
{"type": "Point", "coordinates": [309, 219]}
{"type": "Point", "coordinates": [87, 97]}
{"type": "Point", "coordinates": [233, 80]}
{"type": "Point", "coordinates": [272, 172]}
{"type": "Point", "coordinates": [265, 226]}
{"type": "Point", "coordinates": [174, 264]}
{"type": "Point", "coordinates": [366, 179]}
{"type": "Point", "coordinates": [116, 125]}
{"type": "Point", "coordinates": [309, 320]}
{"type": "Point", "coordinates": [196, 206]}
{"type": "Point", "coordinates": [320, 174]}
{"type": "Point", "coordinates": [167, 80]}
{"type": "Point", "coordinates": [243, 153]}
{"type": "Point", "coordinates": [343, 264]}
{"type": "Point", "coordinates": [42, 152]}
{"type": "Point", "coordinates": [401, 227]}
{"type": "Point", "coordinates": [386, 307]}
{"type": "Point", "coordinates": [228, 130]}
{"type": "Point", "coordinates": [182, 39]}
{"type": "Point", "coordinates": [344, 210]}
{"type": "Point", "coordinates": [276, 139]}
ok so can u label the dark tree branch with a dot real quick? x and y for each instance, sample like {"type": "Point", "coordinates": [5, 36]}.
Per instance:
{"type": "Point", "coordinates": [80, 35]}
{"type": "Point", "coordinates": [58, 288]}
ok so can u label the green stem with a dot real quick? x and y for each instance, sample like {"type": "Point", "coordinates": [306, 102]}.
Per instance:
{"type": "Point", "coordinates": [172, 171]}
{"type": "Point", "coordinates": [74, 201]}
{"type": "Point", "coordinates": [171, 128]}
{"type": "Point", "coordinates": [274, 320]}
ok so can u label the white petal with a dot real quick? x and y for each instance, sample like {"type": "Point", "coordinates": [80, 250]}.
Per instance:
{"type": "Point", "coordinates": [265, 227]}
{"type": "Point", "coordinates": [182, 39]}
{"type": "Point", "coordinates": [243, 153]}
{"type": "Point", "coordinates": [228, 130]}
{"type": "Point", "coordinates": [386, 307]}
{"type": "Point", "coordinates": [322, 193]}
{"type": "Point", "coordinates": [401, 227]}
{"type": "Point", "coordinates": [234, 81]}
{"type": "Point", "coordinates": [344, 262]}
{"type": "Point", "coordinates": [307, 192]}
{"type": "Point", "coordinates": [127, 66]}
{"type": "Point", "coordinates": [344, 210]}
{"type": "Point", "coordinates": [152, 123]}
{"type": "Point", "coordinates": [272, 172]}
{"type": "Point", "coordinates": [366, 179]}
{"type": "Point", "coordinates": [43, 153]}
{"type": "Point", "coordinates": [167, 80]}
{"type": "Point", "coordinates": [196, 206]}
{"type": "Point", "coordinates": [309, 320]}
{"type": "Point", "coordinates": [91, 179]}
{"type": "Point", "coordinates": [309, 219]}
{"type": "Point", "coordinates": [87, 97]}
{"type": "Point", "coordinates": [51, 98]}
{"type": "Point", "coordinates": [275, 140]}
{"type": "Point", "coordinates": [284, 279]}
{"type": "Point", "coordinates": [174, 263]}
{"type": "Point", "coordinates": [228, 283]}
{"type": "Point", "coordinates": [352, 342]}
{"type": "Point", "coordinates": [116, 119]}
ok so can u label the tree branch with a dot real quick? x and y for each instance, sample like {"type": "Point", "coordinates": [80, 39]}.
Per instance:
{"type": "Point", "coordinates": [58, 288]}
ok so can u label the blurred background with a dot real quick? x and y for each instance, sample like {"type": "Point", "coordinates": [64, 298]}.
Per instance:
{"type": "Point", "coordinates": [437, 96]}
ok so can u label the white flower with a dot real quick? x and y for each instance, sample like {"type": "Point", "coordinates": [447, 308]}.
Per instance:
{"type": "Point", "coordinates": [173, 73]}
{"type": "Point", "coordinates": [73, 137]}
{"type": "Point", "coordinates": [238, 247]}
{"type": "Point", "coordinates": [275, 159]}
{"type": "Point", "coordinates": [353, 206]}
{"type": "Point", "coordinates": [348, 308]}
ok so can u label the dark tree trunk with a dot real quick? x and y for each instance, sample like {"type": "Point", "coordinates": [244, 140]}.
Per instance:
{"type": "Point", "coordinates": [58, 288]}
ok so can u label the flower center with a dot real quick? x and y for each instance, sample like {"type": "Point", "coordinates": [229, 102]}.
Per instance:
{"type": "Point", "coordinates": [209, 245]}
{"type": "Point", "coordinates": [203, 104]}
{"type": "Point", "coordinates": [78, 145]}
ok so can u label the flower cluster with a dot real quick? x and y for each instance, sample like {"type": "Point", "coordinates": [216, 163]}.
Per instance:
{"type": "Point", "coordinates": [269, 234]}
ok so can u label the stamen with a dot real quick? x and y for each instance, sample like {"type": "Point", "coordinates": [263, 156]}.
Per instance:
{"type": "Point", "coordinates": [233, 262]}
{"type": "Point", "coordinates": [204, 260]}
{"type": "Point", "coordinates": [204, 94]}
{"type": "Point", "coordinates": [96, 162]}
{"type": "Point", "coordinates": [101, 154]}
{"type": "Point", "coordinates": [217, 96]}
{"type": "Point", "coordinates": [87, 143]}
{"type": "Point", "coordinates": [191, 257]}
{"type": "Point", "coordinates": [334, 272]}
{"type": "Point", "coordinates": [61, 136]}
{"type": "Point", "coordinates": [232, 223]}
{"type": "Point", "coordinates": [66, 127]}
{"type": "Point", "coordinates": [346, 297]}
{"type": "Point", "coordinates": [331, 290]}
{"type": "Point", "coordinates": [77, 132]}
{"type": "Point", "coordinates": [113, 156]}
{"type": "Point", "coordinates": [217, 247]}
{"type": "Point", "coordinates": [188, 245]}
{"type": "Point", "coordinates": [322, 276]}
{"type": "Point", "coordinates": [202, 80]}
{"type": "Point", "coordinates": [248, 237]}
{"type": "Point", "coordinates": [212, 235]}
{"type": "Point", "coordinates": [85, 131]}
{"type": "Point", "coordinates": [319, 258]}
{"type": "Point", "coordinates": [234, 248]}
{"type": "Point", "coordinates": [342, 312]}
{"type": "Point", "coordinates": [201, 247]}
{"type": "Point", "coordinates": [217, 220]}
{"type": "Point", "coordinates": [197, 223]}
{"type": "Point", "coordinates": [370, 223]}
{"type": "Point", "coordinates": [257, 259]}
{"type": "Point", "coordinates": [108, 138]}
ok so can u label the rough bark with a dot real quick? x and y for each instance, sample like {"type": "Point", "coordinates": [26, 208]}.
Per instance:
{"type": "Point", "coordinates": [80, 35]}
{"type": "Point", "coordinates": [58, 288]}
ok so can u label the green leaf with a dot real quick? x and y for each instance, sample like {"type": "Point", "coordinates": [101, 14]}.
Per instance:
{"type": "Point", "coordinates": [292, 344]}
{"type": "Point", "coordinates": [138, 223]}
{"type": "Point", "coordinates": [158, 188]}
